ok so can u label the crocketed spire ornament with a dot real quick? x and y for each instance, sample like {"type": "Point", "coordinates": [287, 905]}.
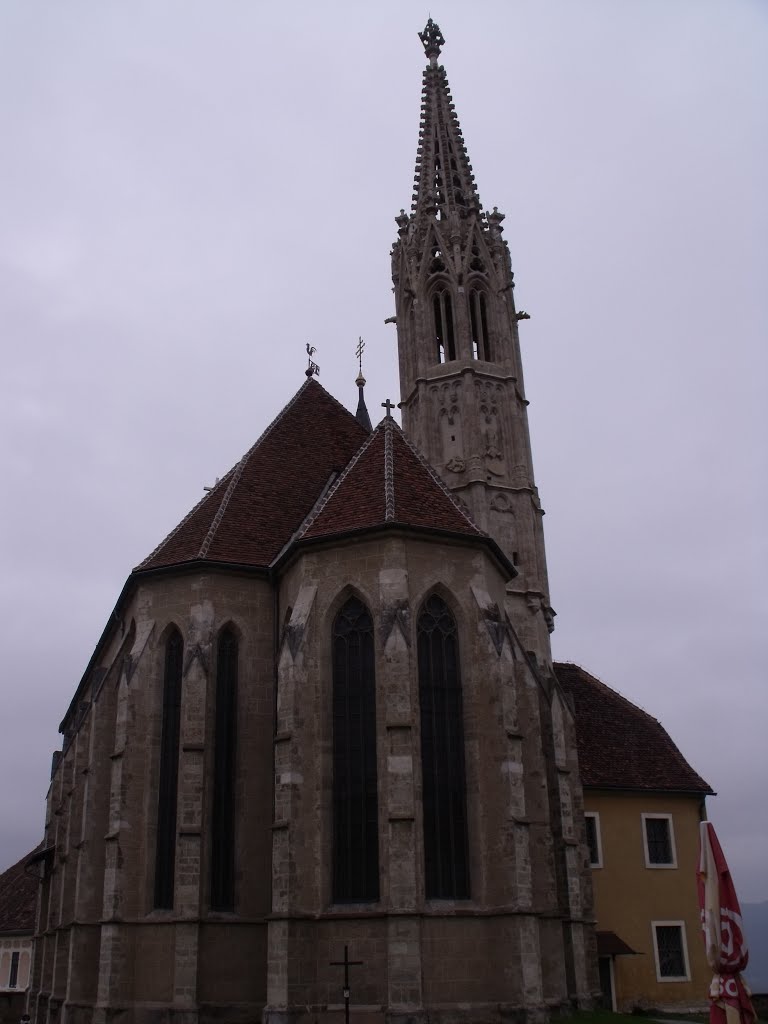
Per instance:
{"type": "Point", "coordinates": [443, 182]}
{"type": "Point", "coordinates": [432, 40]}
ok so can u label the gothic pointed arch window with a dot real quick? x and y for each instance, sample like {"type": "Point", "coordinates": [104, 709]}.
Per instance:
{"type": "Point", "coordinates": [355, 798]}
{"type": "Point", "coordinates": [223, 804]}
{"type": "Point", "coordinates": [446, 864]}
{"type": "Point", "coordinates": [442, 312]}
{"type": "Point", "coordinates": [165, 850]}
{"type": "Point", "coordinates": [478, 324]}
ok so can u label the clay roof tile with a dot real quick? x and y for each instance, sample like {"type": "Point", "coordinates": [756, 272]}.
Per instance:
{"type": "Point", "coordinates": [252, 512]}
{"type": "Point", "coordinates": [18, 898]}
{"type": "Point", "coordinates": [619, 745]}
{"type": "Point", "coordinates": [388, 481]}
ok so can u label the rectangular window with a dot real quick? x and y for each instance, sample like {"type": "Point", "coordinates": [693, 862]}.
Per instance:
{"type": "Point", "coordinates": [659, 841]}
{"type": "Point", "coordinates": [669, 947]}
{"type": "Point", "coordinates": [13, 980]}
{"type": "Point", "coordinates": [592, 822]}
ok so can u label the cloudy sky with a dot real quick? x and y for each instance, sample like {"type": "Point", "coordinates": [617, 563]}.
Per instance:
{"type": "Point", "coordinates": [189, 192]}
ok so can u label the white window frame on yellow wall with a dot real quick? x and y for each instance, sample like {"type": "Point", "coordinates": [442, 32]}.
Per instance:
{"type": "Point", "coordinates": [684, 940]}
{"type": "Point", "coordinates": [672, 846]}
{"type": "Point", "coordinates": [598, 839]}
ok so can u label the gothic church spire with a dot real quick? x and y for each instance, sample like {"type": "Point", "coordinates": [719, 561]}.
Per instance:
{"type": "Point", "coordinates": [444, 181]}
{"type": "Point", "coordinates": [461, 380]}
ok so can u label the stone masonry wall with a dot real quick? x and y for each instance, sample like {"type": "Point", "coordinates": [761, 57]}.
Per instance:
{"type": "Point", "coordinates": [421, 957]}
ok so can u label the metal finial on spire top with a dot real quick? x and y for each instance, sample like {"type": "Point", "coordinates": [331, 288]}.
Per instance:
{"type": "Point", "coordinates": [361, 416]}
{"type": "Point", "coordinates": [432, 40]}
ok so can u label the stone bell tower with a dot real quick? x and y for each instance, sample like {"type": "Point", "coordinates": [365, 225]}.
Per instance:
{"type": "Point", "coordinates": [461, 378]}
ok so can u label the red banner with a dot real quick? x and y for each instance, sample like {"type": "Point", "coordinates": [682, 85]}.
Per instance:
{"type": "Point", "coordinates": [724, 940]}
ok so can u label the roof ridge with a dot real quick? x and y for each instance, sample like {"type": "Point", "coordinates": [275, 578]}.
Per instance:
{"type": "Point", "coordinates": [616, 693]}
{"type": "Point", "coordinates": [184, 521]}
{"type": "Point", "coordinates": [207, 540]}
{"type": "Point", "coordinates": [230, 478]}
{"type": "Point", "coordinates": [309, 517]}
{"type": "Point", "coordinates": [318, 509]}
{"type": "Point", "coordinates": [238, 470]}
{"type": "Point", "coordinates": [389, 472]}
{"type": "Point", "coordinates": [457, 504]}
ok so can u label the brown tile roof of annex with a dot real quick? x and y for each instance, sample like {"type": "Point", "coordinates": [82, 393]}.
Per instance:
{"type": "Point", "coordinates": [388, 482]}
{"type": "Point", "coordinates": [18, 898]}
{"type": "Point", "coordinates": [255, 509]}
{"type": "Point", "coordinates": [620, 746]}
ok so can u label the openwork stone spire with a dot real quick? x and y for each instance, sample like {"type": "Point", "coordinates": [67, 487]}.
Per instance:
{"type": "Point", "coordinates": [444, 181]}
{"type": "Point", "coordinates": [461, 378]}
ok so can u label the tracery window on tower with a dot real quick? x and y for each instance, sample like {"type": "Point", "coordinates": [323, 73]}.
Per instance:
{"type": "Point", "coordinates": [165, 850]}
{"type": "Point", "coordinates": [478, 324]}
{"type": "Point", "coordinates": [446, 862]}
{"type": "Point", "coordinates": [442, 311]}
{"type": "Point", "coordinates": [476, 262]}
{"type": "Point", "coordinates": [223, 804]}
{"type": "Point", "coordinates": [355, 797]}
{"type": "Point", "coordinates": [439, 186]}
{"type": "Point", "coordinates": [437, 263]}
{"type": "Point", "coordinates": [458, 195]}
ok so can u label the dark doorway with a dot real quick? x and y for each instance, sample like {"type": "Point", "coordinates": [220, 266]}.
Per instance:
{"type": "Point", "coordinates": [605, 968]}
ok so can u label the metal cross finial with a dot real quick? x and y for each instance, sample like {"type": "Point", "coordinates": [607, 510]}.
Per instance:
{"type": "Point", "coordinates": [359, 354]}
{"type": "Point", "coordinates": [389, 407]}
{"type": "Point", "coordinates": [432, 40]}
{"type": "Point", "coordinates": [313, 370]}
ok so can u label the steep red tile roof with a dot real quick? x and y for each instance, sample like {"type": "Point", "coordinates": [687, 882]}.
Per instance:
{"type": "Point", "coordinates": [388, 482]}
{"type": "Point", "coordinates": [18, 897]}
{"type": "Point", "coordinates": [620, 746]}
{"type": "Point", "coordinates": [256, 508]}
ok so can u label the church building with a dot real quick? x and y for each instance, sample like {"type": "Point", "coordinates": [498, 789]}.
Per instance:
{"type": "Point", "coordinates": [319, 755]}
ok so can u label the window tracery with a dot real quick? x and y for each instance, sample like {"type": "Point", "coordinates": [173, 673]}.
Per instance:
{"type": "Point", "coordinates": [478, 323]}
{"type": "Point", "coordinates": [442, 311]}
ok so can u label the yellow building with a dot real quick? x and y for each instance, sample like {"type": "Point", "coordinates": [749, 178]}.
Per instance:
{"type": "Point", "coordinates": [18, 893]}
{"type": "Point", "coordinates": [642, 803]}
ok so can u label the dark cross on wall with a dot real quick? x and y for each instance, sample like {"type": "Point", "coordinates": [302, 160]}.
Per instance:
{"type": "Point", "coordinates": [346, 963]}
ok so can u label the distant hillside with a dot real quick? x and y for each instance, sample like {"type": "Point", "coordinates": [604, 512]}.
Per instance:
{"type": "Point", "coordinates": [756, 929]}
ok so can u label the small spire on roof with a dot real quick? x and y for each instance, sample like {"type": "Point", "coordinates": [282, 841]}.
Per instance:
{"type": "Point", "coordinates": [432, 40]}
{"type": "Point", "coordinates": [361, 415]}
{"type": "Point", "coordinates": [443, 181]}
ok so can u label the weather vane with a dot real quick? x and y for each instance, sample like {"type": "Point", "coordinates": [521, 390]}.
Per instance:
{"type": "Point", "coordinates": [313, 370]}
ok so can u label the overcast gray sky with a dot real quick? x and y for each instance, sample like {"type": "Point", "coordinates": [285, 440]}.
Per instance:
{"type": "Point", "coordinates": [189, 192]}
